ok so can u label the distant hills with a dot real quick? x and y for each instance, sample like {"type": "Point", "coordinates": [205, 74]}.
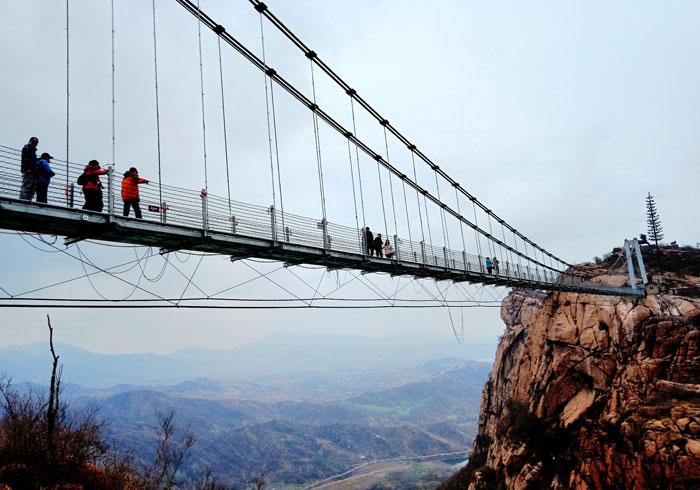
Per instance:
{"type": "Point", "coordinates": [298, 408]}
{"type": "Point", "coordinates": [297, 442]}
{"type": "Point", "coordinates": [282, 353]}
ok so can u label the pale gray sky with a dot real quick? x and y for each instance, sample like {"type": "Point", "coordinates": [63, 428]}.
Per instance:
{"type": "Point", "coordinates": [559, 116]}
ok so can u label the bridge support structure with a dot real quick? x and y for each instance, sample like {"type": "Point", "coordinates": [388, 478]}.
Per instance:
{"type": "Point", "coordinates": [632, 250]}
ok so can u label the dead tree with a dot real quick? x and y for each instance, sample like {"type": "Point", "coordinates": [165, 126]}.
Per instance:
{"type": "Point", "coordinates": [52, 408]}
{"type": "Point", "coordinates": [169, 455]}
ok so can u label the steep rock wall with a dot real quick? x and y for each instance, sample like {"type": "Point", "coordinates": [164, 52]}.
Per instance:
{"type": "Point", "coordinates": [592, 392]}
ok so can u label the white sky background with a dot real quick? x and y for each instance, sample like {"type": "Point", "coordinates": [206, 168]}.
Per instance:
{"type": "Point", "coordinates": [559, 116]}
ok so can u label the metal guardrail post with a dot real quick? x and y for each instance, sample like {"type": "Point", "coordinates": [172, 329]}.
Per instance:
{"type": "Point", "coordinates": [396, 246]}
{"type": "Point", "coordinates": [326, 238]}
{"type": "Point", "coordinates": [422, 251]}
{"type": "Point", "coordinates": [163, 212]}
{"type": "Point", "coordinates": [464, 260]}
{"type": "Point", "coordinates": [273, 224]}
{"type": "Point", "coordinates": [205, 210]}
{"type": "Point", "coordinates": [481, 264]}
{"type": "Point", "coordinates": [110, 190]}
{"type": "Point", "coordinates": [70, 195]}
{"type": "Point", "coordinates": [232, 218]}
{"type": "Point", "coordinates": [444, 254]}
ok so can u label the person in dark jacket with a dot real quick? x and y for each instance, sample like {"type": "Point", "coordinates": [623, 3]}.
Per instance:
{"type": "Point", "coordinates": [29, 162]}
{"type": "Point", "coordinates": [369, 241]}
{"type": "Point", "coordinates": [378, 245]}
{"type": "Point", "coordinates": [43, 176]}
{"type": "Point", "coordinates": [92, 188]}
{"type": "Point", "coordinates": [130, 191]}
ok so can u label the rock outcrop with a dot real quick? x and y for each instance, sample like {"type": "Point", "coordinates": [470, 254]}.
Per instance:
{"type": "Point", "coordinates": [594, 392]}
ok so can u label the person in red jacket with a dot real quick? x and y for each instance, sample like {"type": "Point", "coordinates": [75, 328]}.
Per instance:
{"type": "Point", "coordinates": [92, 187]}
{"type": "Point", "coordinates": [130, 191]}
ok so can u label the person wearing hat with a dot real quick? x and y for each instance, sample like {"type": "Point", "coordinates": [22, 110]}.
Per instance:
{"type": "Point", "coordinates": [130, 191]}
{"type": "Point", "coordinates": [42, 179]}
{"type": "Point", "coordinates": [92, 187]}
{"type": "Point", "coordinates": [28, 168]}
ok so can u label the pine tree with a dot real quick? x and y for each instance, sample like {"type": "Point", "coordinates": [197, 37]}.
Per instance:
{"type": "Point", "coordinates": [654, 228]}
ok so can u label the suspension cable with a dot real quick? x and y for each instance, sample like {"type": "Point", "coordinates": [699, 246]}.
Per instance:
{"type": "Point", "coordinates": [114, 139]}
{"type": "Point", "coordinates": [408, 219]}
{"type": "Point", "coordinates": [461, 225]}
{"type": "Point", "coordinates": [321, 114]}
{"type": "Point", "coordinates": [352, 178]}
{"type": "Point", "coordinates": [67, 99]}
{"type": "Point", "coordinates": [503, 231]}
{"type": "Point", "coordinates": [277, 150]}
{"type": "Point", "coordinates": [155, 69]}
{"type": "Point", "coordinates": [223, 118]}
{"type": "Point", "coordinates": [381, 194]}
{"type": "Point", "coordinates": [391, 187]}
{"type": "Point", "coordinates": [317, 138]}
{"type": "Point", "coordinates": [446, 233]}
{"type": "Point", "coordinates": [420, 213]}
{"type": "Point", "coordinates": [478, 239]}
{"type": "Point", "coordinates": [201, 84]}
{"type": "Point", "coordinates": [357, 160]}
{"type": "Point", "coordinates": [261, 7]}
{"type": "Point", "coordinates": [427, 220]}
{"type": "Point", "coordinates": [267, 108]}
{"type": "Point", "coordinates": [491, 244]}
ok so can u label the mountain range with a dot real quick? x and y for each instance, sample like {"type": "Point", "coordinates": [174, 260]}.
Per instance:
{"type": "Point", "coordinates": [297, 408]}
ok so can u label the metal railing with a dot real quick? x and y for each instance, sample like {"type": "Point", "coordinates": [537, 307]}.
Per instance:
{"type": "Point", "coordinates": [208, 212]}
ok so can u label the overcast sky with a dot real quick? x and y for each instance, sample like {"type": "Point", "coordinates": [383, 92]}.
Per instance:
{"type": "Point", "coordinates": [559, 116]}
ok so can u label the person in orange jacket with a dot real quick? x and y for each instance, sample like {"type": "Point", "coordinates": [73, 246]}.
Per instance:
{"type": "Point", "coordinates": [130, 191]}
{"type": "Point", "coordinates": [92, 187]}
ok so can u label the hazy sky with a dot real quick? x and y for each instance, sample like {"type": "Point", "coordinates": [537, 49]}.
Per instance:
{"type": "Point", "coordinates": [560, 116]}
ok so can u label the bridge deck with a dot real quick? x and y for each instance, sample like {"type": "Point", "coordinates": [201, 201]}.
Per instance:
{"type": "Point", "coordinates": [79, 224]}
{"type": "Point", "coordinates": [194, 221]}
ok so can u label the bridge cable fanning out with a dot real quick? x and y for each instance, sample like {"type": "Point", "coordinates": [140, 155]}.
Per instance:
{"type": "Point", "coordinates": [317, 141]}
{"type": "Point", "coordinates": [161, 204]}
{"type": "Point", "coordinates": [339, 128]}
{"type": "Point", "coordinates": [357, 161]}
{"type": "Point", "coordinates": [67, 99]}
{"type": "Point", "coordinates": [223, 119]}
{"type": "Point", "coordinates": [201, 85]}
{"type": "Point", "coordinates": [267, 111]}
{"type": "Point", "coordinates": [264, 10]}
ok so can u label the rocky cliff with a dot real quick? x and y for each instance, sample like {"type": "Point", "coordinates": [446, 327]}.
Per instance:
{"type": "Point", "coordinates": [595, 392]}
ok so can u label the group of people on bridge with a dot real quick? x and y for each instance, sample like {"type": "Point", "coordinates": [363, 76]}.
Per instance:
{"type": "Point", "coordinates": [375, 246]}
{"type": "Point", "coordinates": [37, 173]}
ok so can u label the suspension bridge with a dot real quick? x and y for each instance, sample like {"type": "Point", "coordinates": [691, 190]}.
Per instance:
{"type": "Point", "coordinates": [438, 238]}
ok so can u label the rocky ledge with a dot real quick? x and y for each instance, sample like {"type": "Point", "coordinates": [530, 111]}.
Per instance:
{"type": "Point", "coordinates": [595, 392]}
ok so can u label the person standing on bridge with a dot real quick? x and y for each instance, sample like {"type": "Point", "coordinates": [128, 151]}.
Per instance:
{"type": "Point", "coordinates": [489, 265]}
{"type": "Point", "coordinates": [369, 241]}
{"type": "Point", "coordinates": [29, 162]}
{"type": "Point", "coordinates": [92, 187]}
{"type": "Point", "coordinates": [130, 191]}
{"type": "Point", "coordinates": [495, 265]}
{"type": "Point", "coordinates": [378, 245]}
{"type": "Point", "coordinates": [43, 177]}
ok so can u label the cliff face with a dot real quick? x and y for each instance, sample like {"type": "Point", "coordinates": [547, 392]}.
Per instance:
{"type": "Point", "coordinates": [594, 392]}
